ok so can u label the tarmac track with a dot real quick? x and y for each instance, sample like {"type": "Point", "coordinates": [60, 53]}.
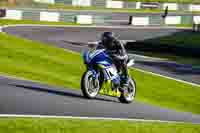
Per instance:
{"type": "Point", "coordinates": [25, 97]}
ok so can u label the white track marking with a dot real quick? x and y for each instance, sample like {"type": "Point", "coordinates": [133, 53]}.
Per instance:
{"type": "Point", "coordinates": [85, 118]}
{"type": "Point", "coordinates": [178, 80]}
{"type": "Point", "coordinates": [1, 29]}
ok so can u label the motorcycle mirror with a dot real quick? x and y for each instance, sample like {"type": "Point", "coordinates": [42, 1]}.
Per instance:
{"type": "Point", "coordinates": [92, 44]}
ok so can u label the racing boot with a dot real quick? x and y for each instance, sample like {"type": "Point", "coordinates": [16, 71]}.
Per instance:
{"type": "Point", "coordinates": [124, 83]}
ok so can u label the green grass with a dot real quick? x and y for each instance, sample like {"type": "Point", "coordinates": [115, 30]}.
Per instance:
{"type": "Point", "coordinates": [51, 65]}
{"type": "Point", "coordinates": [166, 93]}
{"type": "Point", "coordinates": [11, 22]}
{"type": "Point", "coordinates": [195, 62]}
{"type": "Point", "coordinates": [183, 38]}
{"type": "Point", "coordinates": [39, 62]}
{"type": "Point", "coordinates": [38, 125]}
{"type": "Point", "coordinates": [185, 25]}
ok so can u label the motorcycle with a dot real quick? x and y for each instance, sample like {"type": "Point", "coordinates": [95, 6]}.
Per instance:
{"type": "Point", "coordinates": [102, 72]}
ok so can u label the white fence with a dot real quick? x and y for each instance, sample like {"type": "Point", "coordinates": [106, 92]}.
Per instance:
{"type": "Point", "coordinates": [56, 16]}
{"type": "Point", "coordinates": [121, 4]}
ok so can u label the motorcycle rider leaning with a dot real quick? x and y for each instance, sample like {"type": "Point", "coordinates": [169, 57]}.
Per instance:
{"type": "Point", "coordinates": [117, 52]}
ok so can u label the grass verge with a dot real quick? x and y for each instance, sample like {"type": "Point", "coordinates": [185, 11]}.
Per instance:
{"type": "Point", "coordinates": [12, 22]}
{"type": "Point", "coordinates": [182, 38]}
{"type": "Point", "coordinates": [194, 61]}
{"type": "Point", "coordinates": [41, 125]}
{"type": "Point", "coordinates": [37, 61]}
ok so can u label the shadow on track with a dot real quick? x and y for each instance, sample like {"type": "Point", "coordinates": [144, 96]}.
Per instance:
{"type": "Point", "coordinates": [65, 93]}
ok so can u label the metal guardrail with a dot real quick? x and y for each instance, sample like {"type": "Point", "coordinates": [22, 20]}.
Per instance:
{"type": "Point", "coordinates": [99, 19]}
{"type": "Point", "coordinates": [129, 4]}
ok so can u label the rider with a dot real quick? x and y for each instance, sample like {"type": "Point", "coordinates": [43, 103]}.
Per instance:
{"type": "Point", "coordinates": [117, 52]}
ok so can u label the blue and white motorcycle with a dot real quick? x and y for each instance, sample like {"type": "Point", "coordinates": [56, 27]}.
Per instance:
{"type": "Point", "coordinates": [101, 71]}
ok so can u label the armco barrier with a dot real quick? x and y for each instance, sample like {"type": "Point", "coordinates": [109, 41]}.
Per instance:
{"type": "Point", "coordinates": [14, 14]}
{"type": "Point", "coordinates": [49, 16]}
{"type": "Point", "coordinates": [84, 19]}
{"type": "Point", "coordinates": [173, 20]}
{"type": "Point", "coordinates": [92, 18]}
{"type": "Point", "coordinates": [81, 3]}
{"type": "Point", "coordinates": [30, 15]}
{"type": "Point", "coordinates": [124, 4]}
{"type": "Point", "coordinates": [140, 21]}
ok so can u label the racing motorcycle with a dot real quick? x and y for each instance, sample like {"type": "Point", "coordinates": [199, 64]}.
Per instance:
{"type": "Point", "coordinates": [101, 73]}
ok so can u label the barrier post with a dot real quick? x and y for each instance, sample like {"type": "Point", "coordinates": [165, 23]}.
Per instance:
{"type": "Point", "coordinates": [2, 13]}
{"type": "Point", "coordinates": [130, 20]}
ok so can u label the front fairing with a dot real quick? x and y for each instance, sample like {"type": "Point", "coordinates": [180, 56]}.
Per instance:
{"type": "Point", "coordinates": [100, 59]}
{"type": "Point", "coordinates": [96, 56]}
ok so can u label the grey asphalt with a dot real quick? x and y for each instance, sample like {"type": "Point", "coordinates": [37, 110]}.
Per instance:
{"type": "Point", "coordinates": [29, 98]}
{"type": "Point", "coordinates": [25, 97]}
{"type": "Point", "coordinates": [72, 37]}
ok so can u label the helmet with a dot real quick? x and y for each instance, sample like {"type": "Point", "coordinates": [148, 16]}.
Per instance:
{"type": "Point", "coordinates": [108, 39]}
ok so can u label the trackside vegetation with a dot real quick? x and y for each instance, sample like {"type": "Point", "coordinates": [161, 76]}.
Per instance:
{"type": "Point", "coordinates": [41, 125]}
{"type": "Point", "coordinates": [55, 66]}
{"type": "Point", "coordinates": [13, 22]}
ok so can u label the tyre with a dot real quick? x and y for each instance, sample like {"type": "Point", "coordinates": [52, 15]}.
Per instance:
{"type": "Point", "coordinates": [89, 86]}
{"type": "Point", "coordinates": [128, 95]}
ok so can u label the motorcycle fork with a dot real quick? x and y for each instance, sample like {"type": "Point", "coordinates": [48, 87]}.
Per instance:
{"type": "Point", "coordinates": [95, 77]}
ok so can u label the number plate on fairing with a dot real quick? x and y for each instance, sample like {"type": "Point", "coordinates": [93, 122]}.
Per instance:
{"type": "Point", "coordinates": [112, 72]}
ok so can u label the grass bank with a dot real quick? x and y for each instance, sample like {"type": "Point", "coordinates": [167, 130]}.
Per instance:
{"type": "Point", "coordinates": [55, 66]}
{"type": "Point", "coordinates": [38, 125]}
{"type": "Point", "coordinates": [12, 22]}
{"type": "Point", "coordinates": [185, 38]}
{"type": "Point", "coordinates": [194, 61]}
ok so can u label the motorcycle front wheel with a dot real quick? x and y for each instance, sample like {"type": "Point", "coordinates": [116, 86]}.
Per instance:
{"type": "Point", "coordinates": [128, 95]}
{"type": "Point", "coordinates": [89, 86]}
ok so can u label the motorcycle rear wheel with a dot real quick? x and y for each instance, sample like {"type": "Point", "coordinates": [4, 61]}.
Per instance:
{"type": "Point", "coordinates": [128, 95]}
